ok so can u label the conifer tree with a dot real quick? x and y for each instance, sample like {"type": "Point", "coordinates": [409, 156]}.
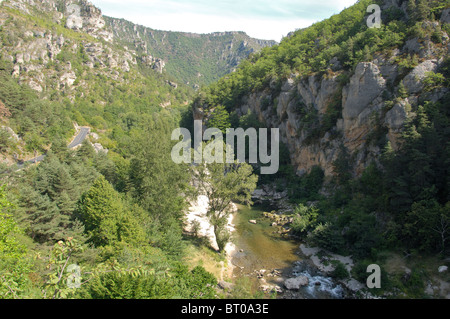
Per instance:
{"type": "Point", "coordinates": [105, 218]}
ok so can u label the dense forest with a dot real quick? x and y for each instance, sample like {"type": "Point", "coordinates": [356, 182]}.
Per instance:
{"type": "Point", "coordinates": [94, 208]}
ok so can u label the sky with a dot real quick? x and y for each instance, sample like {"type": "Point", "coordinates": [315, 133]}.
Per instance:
{"type": "Point", "coordinates": [261, 19]}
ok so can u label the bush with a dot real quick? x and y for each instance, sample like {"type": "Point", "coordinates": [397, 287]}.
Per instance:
{"type": "Point", "coordinates": [340, 272]}
{"type": "Point", "coordinates": [328, 237]}
{"type": "Point", "coordinates": [305, 219]}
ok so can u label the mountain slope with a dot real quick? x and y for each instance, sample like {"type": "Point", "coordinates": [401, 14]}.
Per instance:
{"type": "Point", "coordinates": [367, 111]}
{"type": "Point", "coordinates": [195, 59]}
{"type": "Point", "coordinates": [322, 85]}
{"type": "Point", "coordinates": [68, 68]}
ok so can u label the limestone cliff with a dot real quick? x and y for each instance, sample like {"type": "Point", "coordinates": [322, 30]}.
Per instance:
{"type": "Point", "coordinates": [55, 44]}
{"type": "Point", "coordinates": [372, 102]}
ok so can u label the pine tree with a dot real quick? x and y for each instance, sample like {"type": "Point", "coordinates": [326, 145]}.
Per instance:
{"type": "Point", "coordinates": [423, 10]}
{"type": "Point", "coordinates": [105, 218]}
{"type": "Point", "coordinates": [86, 151]}
{"type": "Point", "coordinates": [412, 8]}
{"type": "Point", "coordinates": [157, 182]}
{"type": "Point", "coordinates": [402, 92]}
{"type": "Point", "coordinates": [220, 119]}
{"type": "Point", "coordinates": [59, 148]}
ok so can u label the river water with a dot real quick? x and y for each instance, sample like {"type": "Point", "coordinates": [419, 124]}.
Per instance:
{"type": "Point", "coordinates": [261, 252]}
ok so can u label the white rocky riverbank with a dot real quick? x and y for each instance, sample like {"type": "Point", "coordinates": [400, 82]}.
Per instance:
{"type": "Point", "coordinates": [323, 261]}
{"type": "Point", "coordinates": [196, 218]}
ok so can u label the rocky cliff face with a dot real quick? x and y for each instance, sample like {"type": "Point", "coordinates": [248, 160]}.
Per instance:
{"type": "Point", "coordinates": [55, 44]}
{"type": "Point", "coordinates": [366, 107]}
{"type": "Point", "coordinates": [370, 108]}
{"type": "Point", "coordinates": [114, 45]}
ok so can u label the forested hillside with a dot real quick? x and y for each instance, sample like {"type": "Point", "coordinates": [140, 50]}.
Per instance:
{"type": "Point", "coordinates": [116, 214]}
{"type": "Point", "coordinates": [194, 59]}
{"type": "Point", "coordinates": [364, 117]}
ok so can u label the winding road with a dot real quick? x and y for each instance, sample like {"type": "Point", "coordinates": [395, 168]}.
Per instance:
{"type": "Point", "coordinates": [84, 132]}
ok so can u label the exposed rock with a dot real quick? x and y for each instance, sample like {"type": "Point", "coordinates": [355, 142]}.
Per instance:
{"type": "Point", "coordinates": [335, 64]}
{"type": "Point", "coordinates": [197, 214]}
{"type": "Point", "coordinates": [11, 132]}
{"type": "Point", "coordinates": [74, 22]}
{"type": "Point", "coordinates": [270, 288]}
{"type": "Point", "coordinates": [414, 80]}
{"type": "Point", "coordinates": [159, 65]}
{"type": "Point", "coordinates": [148, 60]}
{"type": "Point", "coordinates": [16, 71]}
{"type": "Point", "coordinates": [445, 17]}
{"type": "Point", "coordinates": [35, 86]}
{"type": "Point", "coordinates": [365, 86]}
{"type": "Point", "coordinates": [225, 285]}
{"type": "Point", "coordinates": [94, 136]}
{"type": "Point", "coordinates": [288, 85]}
{"type": "Point", "coordinates": [68, 78]}
{"type": "Point", "coordinates": [442, 269]}
{"type": "Point", "coordinates": [99, 148]}
{"type": "Point", "coordinates": [412, 46]}
{"type": "Point", "coordinates": [296, 283]}
{"type": "Point", "coordinates": [172, 84]}
{"type": "Point", "coordinates": [253, 221]}
{"type": "Point", "coordinates": [396, 117]}
{"type": "Point", "coordinates": [125, 66]}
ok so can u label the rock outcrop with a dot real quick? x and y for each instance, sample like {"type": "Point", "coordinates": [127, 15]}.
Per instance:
{"type": "Point", "coordinates": [369, 103]}
{"type": "Point", "coordinates": [42, 57]}
{"type": "Point", "coordinates": [296, 283]}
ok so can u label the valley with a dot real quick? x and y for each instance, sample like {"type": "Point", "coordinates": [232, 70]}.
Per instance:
{"type": "Point", "coordinates": [362, 115]}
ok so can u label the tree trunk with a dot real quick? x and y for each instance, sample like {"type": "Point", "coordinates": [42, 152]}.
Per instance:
{"type": "Point", "coordinates": [218, 239]}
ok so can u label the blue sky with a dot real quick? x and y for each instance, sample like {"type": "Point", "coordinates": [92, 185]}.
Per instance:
{"type": "Point", "coordinates": [262, 19]}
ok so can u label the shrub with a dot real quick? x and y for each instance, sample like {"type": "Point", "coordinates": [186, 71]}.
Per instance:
{"type": "Point", "coordinates": [305, 219]}
{"type": "Point", "coordinates": [340, 272]}
{"type": "Point", "coordinates": [328, 237]}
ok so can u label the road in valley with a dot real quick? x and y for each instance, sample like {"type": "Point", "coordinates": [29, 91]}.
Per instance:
{"type": "Point", "coordinates": [84, 132]}
{"type": "Point", "coordinates": [77, 141]}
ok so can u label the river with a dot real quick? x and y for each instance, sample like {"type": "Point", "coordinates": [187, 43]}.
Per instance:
{"type": "Point", "coordinates": [267, 258]}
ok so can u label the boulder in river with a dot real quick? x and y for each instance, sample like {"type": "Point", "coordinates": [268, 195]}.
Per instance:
{"type": "Point", "coordinates": [296, 283]}
{"type": "Point", "coordinates": [442, 269]}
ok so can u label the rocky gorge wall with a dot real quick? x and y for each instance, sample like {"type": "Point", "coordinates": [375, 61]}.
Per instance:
{"type": "Point", "coordinates": [375, 100]}
{"type": "Point", "coordinates": [37, 32]}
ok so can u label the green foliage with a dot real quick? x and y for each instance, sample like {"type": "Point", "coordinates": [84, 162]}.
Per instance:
{"type": "Point", "coordinates": [224, 183]}
{"type": "Point", "coordinates": [56, 285]}
{"type": "Point", "coordinates": [306, 187]}
{"type": "Point", "coordinates": [175, 283]}
{"type": "Point", "coordinates": [305, 219]}
{"type": "Point", "coordinates": [327, 236]}
{"type": "Point", "coordinates": [48, 199]}
{"type": "Point", "coordinates": [344, 36]}
{"type": "Point", "coordinates": [14, 262]}
{"type": "Point", "coordinates": [36, 121]}
{"type": "Point", "coordinates": [197, 60]}
{"type": "Point", "coordinates": [340, 271]}
{"type": "Point", "coordinates": [433, 81]}
{"type": "Point", "coordinates": [220, 119]}
{"type": "Point", "coordinates": [428, 225]}
{"type": "Point", "coordinates": [156, 181]}
{"type": "Point", "coordinates": [105, 217]}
